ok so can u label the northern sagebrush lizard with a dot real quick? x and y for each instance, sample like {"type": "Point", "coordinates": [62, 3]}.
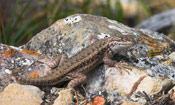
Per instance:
{"type": "Point", "coordinates": [76, 67]}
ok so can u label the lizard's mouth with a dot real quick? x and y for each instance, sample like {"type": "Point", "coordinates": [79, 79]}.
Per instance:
{"type": "Point", "coordinates": [117, 46]}
{"type": "Point", "coordinates": [127, 43]}
{"type": "Point", "coordinates": [123, 41]}
{"type": "Point", "coordinates": [130, 43]}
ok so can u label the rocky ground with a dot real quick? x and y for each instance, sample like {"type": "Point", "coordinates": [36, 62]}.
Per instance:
{"type": "Point", "coordinates": [148, 77]}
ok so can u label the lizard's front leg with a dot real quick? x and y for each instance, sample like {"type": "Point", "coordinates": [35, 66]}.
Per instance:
{"type": "Point", "coordinates": [54, 61]}
{"type": "Point", "coordinates": [76, 79]}
{"type": "Point", "coordinates": [119, 65]}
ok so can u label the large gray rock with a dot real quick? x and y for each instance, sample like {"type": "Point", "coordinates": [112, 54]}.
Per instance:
{"type": "Point", "coordinates": [146, 62]}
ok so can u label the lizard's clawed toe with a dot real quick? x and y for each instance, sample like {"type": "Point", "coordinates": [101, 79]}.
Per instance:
{"type": "Point", "coordinates": [122, 66]}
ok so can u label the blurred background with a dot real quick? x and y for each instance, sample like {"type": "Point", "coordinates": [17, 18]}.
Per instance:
{"type": "Point", "coordinates": [21, 19]}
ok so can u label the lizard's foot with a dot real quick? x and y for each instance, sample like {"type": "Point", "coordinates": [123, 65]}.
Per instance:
{"type": "Point", "coordinates": [77, 95]}
{"type": "Point", "coordinates": [122, 66]}
{"type": "Point", "coordinates": [84, 98]}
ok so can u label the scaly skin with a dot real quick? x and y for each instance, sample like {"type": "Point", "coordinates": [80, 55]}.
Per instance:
{"type": "Point", "coordinates": [88, 58]}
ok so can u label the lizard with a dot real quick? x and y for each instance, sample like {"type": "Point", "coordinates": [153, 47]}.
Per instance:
{"type": "Point", "coordinates": [76, 67]}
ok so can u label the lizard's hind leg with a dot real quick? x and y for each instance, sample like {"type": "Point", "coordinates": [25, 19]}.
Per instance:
{"type": "Point", "coordinates": [76, 79]}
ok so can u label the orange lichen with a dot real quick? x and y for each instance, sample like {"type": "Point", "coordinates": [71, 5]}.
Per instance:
{"type": "Point", "coordinates": [30, 52]}
{"type": "Point", "coordinates": [157, 45]}
{"type": "Point", "coordinates": [140, 40]}
{"type": "Point", "coordinates": [34, 75]}
{"type": "Point", "coordinates": [7, 54]}
{"type": "Point", "coordinates": [97, 101]}
{"type": "Point", "coordinates": [11, 49]}
{"type": "Point", "coordinates": [154, 52]}
{"type": "Point", "coordinates": [149, 41]}
{"type": "Point", "coordinates": [152, 44]}
{"type": "Point", "coordinates": [148, 38]}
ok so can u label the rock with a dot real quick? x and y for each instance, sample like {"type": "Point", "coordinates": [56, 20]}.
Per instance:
{"type": "Point", "coordinates": [129, 103]}
{"type": "Point", "coordinates": [145, 66]}
{"type": "Point", "coordinates": [14, 60]}
{"type": "Point", "coordinates": [126, 82]}
{"type": "Point", "coordinates": [15, 94]}
{"type": "Point", "coordinates": [65, 97]}
{"type": "Point", "coordinates": [159, 21]}
{"type": "Point", "coordinates": [130, 81]}
{"type": "Point", "coordinates": [172, 56]}
{"type": "Point", "coordinates": [152, 85]}
{"type": "Point", "coordinates": [71, 34]}
{"type": "Point", "coordinates": [170, 60]}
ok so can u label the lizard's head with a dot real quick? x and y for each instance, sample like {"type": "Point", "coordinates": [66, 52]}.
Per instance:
{"type": "Point", "coordinates": [121, 42]}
